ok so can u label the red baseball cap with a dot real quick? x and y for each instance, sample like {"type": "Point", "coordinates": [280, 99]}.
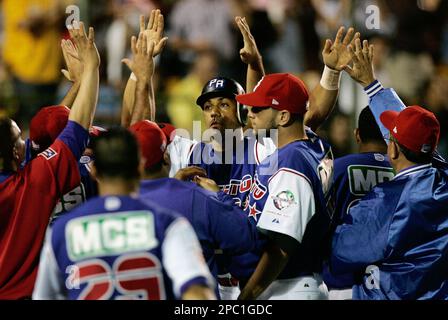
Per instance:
{"type": "Point", "coordinates": [151, 139]}
{"type": "Point", "coordinates": [169, 130]}
{"type": "Point", "coordinates": [280, 91]}
{"type": "Point", "coordinates": [46, 126]}
{"type": "Point", "coordinates": [96, 131]}
{"type": "Point", "coordinates": [414, 127]}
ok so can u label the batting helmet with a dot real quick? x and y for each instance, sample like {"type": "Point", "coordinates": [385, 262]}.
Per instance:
{"type": "Point", "coordinates": [224, 87]}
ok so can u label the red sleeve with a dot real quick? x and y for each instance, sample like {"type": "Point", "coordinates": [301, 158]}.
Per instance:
{"type": "Point", "coordinates": [55, 170]}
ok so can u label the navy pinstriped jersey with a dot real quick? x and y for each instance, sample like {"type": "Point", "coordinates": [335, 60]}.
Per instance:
{"type": "Point", "coordinates": [289, 196]}
{"type": "Point", "coordinates": [220, 227]}
{"type": "Point", "coordinates": [116, 247]}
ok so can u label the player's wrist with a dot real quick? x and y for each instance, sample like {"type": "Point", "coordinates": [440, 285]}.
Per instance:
{"type": "Point", "coordinates": [373, 88]}
{"type": "Point", "coordinates": [330, 79]}
{"type": "Point", "coordinates": [256, 63]}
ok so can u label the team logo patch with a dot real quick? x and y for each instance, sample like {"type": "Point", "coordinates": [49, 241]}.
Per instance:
{"type": "Point", "coordinates": [48, 154]}
{"type": "Point", "coordinates": [85, 160]}
{"type": "Point", "coordinates": [284, 200]}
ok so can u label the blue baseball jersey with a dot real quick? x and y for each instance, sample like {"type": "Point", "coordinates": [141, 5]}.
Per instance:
{"type": "Point", "coordinates": [232, 172]}
{"type": "Point", "coordinates": [116, 247]}
{"type": "Point", "coordinates": [397, 237]}
{"type": "Point", "coordinates": [220, 227]}
{"type": "Point", "coordinates": [354, 176]}
{"type": "Point", "coordinates": [289, 196]}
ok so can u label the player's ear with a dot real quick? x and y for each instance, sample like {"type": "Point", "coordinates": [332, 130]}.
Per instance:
{"type": "Point", "coordinates": [357, 136]}
{"type": "Point", "coordinates": [393, 150]}
{"type": "Point", "coordinates": [166, 158]}
{"type": "Point", "coordinates": [141, 166]}
{"type": "Point", "coordinates": [15, 153]}
{"type": "Point", "coordinates": [284, 117]}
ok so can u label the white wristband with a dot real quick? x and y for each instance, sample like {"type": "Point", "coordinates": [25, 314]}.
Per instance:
{"type": "Point", "coordinates": [330, 79]}
{"type": "Point", "coordinates": [133, 77]}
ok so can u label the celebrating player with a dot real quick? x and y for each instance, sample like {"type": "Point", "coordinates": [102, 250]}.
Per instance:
{"type": "Point", "coordinates": [28, 196]}
{"type": "Point", "coordinates": [288, 205]}
{"type": "Point", "coordinates": [116, 247]}
{"type": "Point", "coordinates": [402, 222]}
{"type": "Point", "coordinates": [219, 227]}
{"type": "Point", "coordinates": [354, 176]}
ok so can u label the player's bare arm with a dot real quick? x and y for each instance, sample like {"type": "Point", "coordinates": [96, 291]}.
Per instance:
{"type": "Point", "coordinates": [323, 97]}
{"type": "Point", "coordinates": [73, 72]}
{"type": "Point", "coordinates": [271, 264]}
{"type": "Point", "coordinates": [84, 105]}
{"type": "Point", "coordinates": [198, 292]}
{"type": "Point", "coordinates": [250, 55]}
{"type": "Point", "coordinates": [154, 33]}
{"type": "Point", "coordinates": [362, 56]}
{"type": "Point", "coordinates": [142, 65]}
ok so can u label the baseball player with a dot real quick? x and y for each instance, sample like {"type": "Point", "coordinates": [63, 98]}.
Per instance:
{"type": "Point", "coordinates": [116, 247]}
{"type": "Point", "coordinates": [221, 228]}
{"type": "Point", "coordinates": [42, 181]}
{"type": "Point", "coordinates": [288, 205]}
{"type": "Point", "coordinates": [236, 181]}
{"type": "Point", "coordinates": [354, 176]}
{"type": "Point", "coordinates": [222, 111]}
{"type": "Point", "coordinates": [45, 127]}
{"type": "Point", "coordinates": [402, 222]}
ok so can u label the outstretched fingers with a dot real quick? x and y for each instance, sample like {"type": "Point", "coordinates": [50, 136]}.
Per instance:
{"type": "Point", "coordinates": [339, 36]}
{"type": "Point", "coordinates": [348, 37]}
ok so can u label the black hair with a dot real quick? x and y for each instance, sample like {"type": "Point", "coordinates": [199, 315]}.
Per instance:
{"type": "Point", "coordinates": [368, 128]}
{"type": "Point", "coordinates": [416, 157]}
{"type": "Point", "coordinates": [6, 144]}
{"type": "Point", "coordinates": [116, 154]}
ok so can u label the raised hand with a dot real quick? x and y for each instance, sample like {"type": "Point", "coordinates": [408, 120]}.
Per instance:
{"type": "Point", "coordinates": [362, 56]}
{"type": "Point", "coordinates": [154, 31]}
{"type": "Point", "coordinates": [75, 67]}
{"type": "Point", "coordinates": [249, 54]}
{"type": "Point", "coordinates": [142, 63]}
{"type": "Point", "coordinates": [336, 54]}
{"type": "Point", "coordinates": [87, 51]}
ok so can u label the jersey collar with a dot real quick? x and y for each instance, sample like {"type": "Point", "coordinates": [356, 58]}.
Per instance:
{"type": "Point", "coordinates": [413, 170]}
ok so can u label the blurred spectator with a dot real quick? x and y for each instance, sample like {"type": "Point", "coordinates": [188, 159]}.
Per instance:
{"type": "Point", "coordinates": [31, 51]}
{"type": "Point", "coordinates": [201, 25]}
{"type": "Point", "coordinates": [126, 14]}
{"type": "Point", "coordinates": [288, 52]}
{"type": "Point", "coordinates": [340, 135]}
{"type": "Point", "coordinates": [436, 99]}
{"type": "Point", "coordinates": [181, 107]}
{"type": "Point", "coordinates": [331, 14]}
